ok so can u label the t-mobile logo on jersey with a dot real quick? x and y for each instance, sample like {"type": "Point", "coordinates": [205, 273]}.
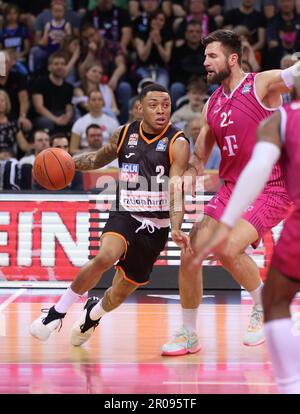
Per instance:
{"type": "Point", "coordinates": [230, 145]}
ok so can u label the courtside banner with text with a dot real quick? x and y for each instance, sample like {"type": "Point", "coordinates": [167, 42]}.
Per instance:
{"type": "Point", "coordinates": [45, 237]}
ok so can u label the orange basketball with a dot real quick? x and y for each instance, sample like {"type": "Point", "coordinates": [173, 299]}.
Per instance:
{"type": "Point", "coordinates": [53, 168]}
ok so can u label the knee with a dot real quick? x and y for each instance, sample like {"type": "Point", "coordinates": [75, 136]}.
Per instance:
{"type": "Point", "coordinates": [104, 260]}
{"type": "Point", "coordinates": [230, 254]}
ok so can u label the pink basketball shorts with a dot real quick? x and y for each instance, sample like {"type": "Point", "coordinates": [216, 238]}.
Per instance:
{"type": "Point", "coordinates": [270, 208]}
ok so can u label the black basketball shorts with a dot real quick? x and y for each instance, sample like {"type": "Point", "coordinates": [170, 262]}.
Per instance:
{"type": "Point", "coordinates": [143, 248]}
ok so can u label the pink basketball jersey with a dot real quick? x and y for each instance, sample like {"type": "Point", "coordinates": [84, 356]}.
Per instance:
{"type": "Point", "coordinates": [233, 120]}
{"type": "Point", "coordinates": [290, 159]}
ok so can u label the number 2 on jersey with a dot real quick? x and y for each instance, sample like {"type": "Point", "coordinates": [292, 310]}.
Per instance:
{"type": "Point", "coordinates": [226, 119]}
{"type": "Point", "coordinates": [160, 169]}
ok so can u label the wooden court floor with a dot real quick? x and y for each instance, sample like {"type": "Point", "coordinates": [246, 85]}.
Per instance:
{"type": "Point", "coordinates": [123, 355]}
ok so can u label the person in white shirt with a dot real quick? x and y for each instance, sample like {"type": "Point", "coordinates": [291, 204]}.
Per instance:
{"type": "Point", "coordinates": [94, 116]}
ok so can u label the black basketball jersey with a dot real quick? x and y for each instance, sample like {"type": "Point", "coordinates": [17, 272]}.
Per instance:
{"type": "Point", "coordinates": [144, 170]}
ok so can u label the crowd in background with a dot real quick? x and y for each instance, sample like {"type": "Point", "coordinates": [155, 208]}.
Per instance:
{"type": "Point", "coordinates": [74, 68]}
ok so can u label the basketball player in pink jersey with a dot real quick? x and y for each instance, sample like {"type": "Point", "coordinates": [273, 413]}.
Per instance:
{"type": "Point", "coordinates": [230, 118]}
{"type": "Point", "coordinates": [278, 138]}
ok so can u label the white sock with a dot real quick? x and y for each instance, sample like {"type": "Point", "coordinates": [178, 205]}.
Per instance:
{"type": "Point", "coordinates": [67, 299]}
{"type": "Point", "coordinates": [97, 311]}
{"type": "Point", "coordinates": [189, 319]}
{"type": "Point", "coordinates": [256, 294]}
{"type": "Point", "coordinates": [284, 354]}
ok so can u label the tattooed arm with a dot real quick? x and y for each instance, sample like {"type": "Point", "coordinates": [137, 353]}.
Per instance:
{"type": "Point", "coordinates": [180, 155]}
{"type": "Point", "coordinates": [94, 160]}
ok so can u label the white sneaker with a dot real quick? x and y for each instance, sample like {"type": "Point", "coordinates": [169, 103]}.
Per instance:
{"type": "Point", "coordinates": [84, 327]}
{"type": "Point", "coordinates": [255, 333]}
{"type": "Point", "coordinates": [181, 344]}
{"type": "Point", "coordinates": [46, 323]}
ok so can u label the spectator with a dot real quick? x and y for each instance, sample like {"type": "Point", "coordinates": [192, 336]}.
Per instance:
{"type": "Point", "coordinates": [215, 8]}
{"type": "Point", "coordinates": [111, 56]}
{"type": "Point", "coordinates": [196, 11]}
{"type": "Point", "coordinates": [41, 141]}
{"type": "Point", "coordinates": [249, 58]}
{"type": "Point", "coordinates": [135, 111]}
{"type": "Point", "coordinates": [14, 34]}
{"type": "Point", "coordinates": [112, 21]}
{"type": "Point", "coordinates": [11, 137]}
{"type": "Point", "coordinates": [95, 80]}
{"type": "Point", "coordinates": [52, 97]}
{"type": "Point", "coordinates": [46, 16]}
{"type": "Point", "coordinates": [141, 23]}
{"type": "Point", "coordinates": [95, 116]}
{"type": "Point", "coordinates": [71, 48]}
{"type": "Point", "coordinates": [197, 96]}
{"type": "Point", "coordinates": [16, 87]}
{"type": "Point", "coordinates": [94, 137]}
{"type": "Point", "coordinates": [286, 16]}
{"type": "Point", "coordinates": [289, 35]}
{"type": "Point", "coordinates": [254, 20]}
{"type": "Point", "coordinates": [61, 141]}
{"type": "Point", "coordinates": [187, 61]}
{"type": "Point", "coordinates": [138, 7]}
{"type": "Point", "coordinates": [154, 50]}
{"type": "Point", "coordinates": [50, 32]}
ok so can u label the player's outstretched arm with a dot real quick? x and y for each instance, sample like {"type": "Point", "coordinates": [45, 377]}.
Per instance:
{"type": "Point", "coordinates": [94, 160]}
{"type": "Point", "coordinates": [249, 185]}
{"type": "Point", "coordinates": [270, 84]}
{"type": "Point", "coordinates": [180, 156]}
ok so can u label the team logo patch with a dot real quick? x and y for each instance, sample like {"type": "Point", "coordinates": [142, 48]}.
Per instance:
{"type": "Point", "coordinates": [162, 144]}
{"type": "Point", "coordinates": [247, 88]}
{"type": "Point", "coordinates": [130, 173]}
{"type": "Point", "coordinates": [133, 140]}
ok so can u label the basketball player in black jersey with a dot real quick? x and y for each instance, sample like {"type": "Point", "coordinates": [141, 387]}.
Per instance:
{"type": "Point", "coordinates": [149, 153]}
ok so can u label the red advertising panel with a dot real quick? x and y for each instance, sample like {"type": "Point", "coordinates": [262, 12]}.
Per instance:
{"type": "Point", "coordinates": [51, 237]}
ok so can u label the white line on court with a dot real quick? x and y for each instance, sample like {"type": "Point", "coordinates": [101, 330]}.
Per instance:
{"type": "Point", "coordinates": [9, 300]}
{"type": "Point", "coordinates": [4, 305]}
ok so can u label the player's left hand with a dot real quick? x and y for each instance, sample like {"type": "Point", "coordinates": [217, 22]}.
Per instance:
{"type": "Point", "coordinates": [214, 244]}
{"type": "Point", "coordinates": [181, 239]}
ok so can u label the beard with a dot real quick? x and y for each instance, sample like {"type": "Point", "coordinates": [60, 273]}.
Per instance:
{"type": "Point", "coordinates": [220, 76]}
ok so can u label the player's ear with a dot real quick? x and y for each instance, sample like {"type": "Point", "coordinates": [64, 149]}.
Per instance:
{"type": "Point", "coordinates": [233, 59]}
{"type": "Point", "coordinates": [140, 108]}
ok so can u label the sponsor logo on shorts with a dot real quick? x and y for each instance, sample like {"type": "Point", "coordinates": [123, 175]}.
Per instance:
{"type": "Point", "coordinates": [133, 140]}
{"type": "Point", "coordinates": [162, 144]}
{"type": "Point", "coordinates": [130, 173]}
